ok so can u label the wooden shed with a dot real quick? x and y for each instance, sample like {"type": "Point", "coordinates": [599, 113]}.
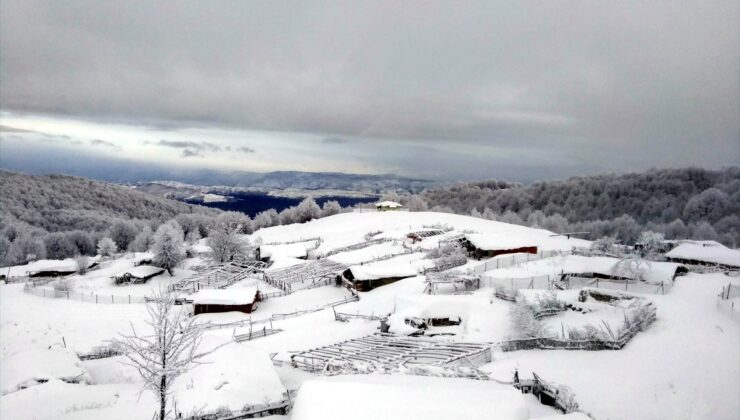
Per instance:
{"type": "Point", "coordinates": [212, 301]}
{"type": "Point", "coordinates": [367, 277]}
{"type": "Point", "coordinates": [487, 246]}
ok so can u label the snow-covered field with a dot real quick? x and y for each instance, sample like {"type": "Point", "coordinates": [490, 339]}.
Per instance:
{"type": "Point", "coordinates": [686, 365]}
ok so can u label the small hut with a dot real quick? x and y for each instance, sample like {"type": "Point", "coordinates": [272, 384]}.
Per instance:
{"type": "Point", "coordinates": [705, 253]}
{"type": "Point", "coordinates": [487, 246]}
{"type": "Point", "coordinates": [368, 277]}
{"type": "Point", "coordinates": [211, 301]}
{"type": "Point", "coordinates": [388, 206]}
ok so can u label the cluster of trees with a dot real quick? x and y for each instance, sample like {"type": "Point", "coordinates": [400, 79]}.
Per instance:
{"type": "Point", "coordinates": [679, 203]}
{"type": "Point", "coordinates": [21, 242]}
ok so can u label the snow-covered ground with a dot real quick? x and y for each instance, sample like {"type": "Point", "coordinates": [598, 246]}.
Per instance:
{"type": "Point", "coordinates": [684, 366]}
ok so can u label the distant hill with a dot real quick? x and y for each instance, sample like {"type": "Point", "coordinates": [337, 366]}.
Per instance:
{"type": "Point", "coordinates": [687, 202]}
{"type": "Point", "coordinates": [62, 203]}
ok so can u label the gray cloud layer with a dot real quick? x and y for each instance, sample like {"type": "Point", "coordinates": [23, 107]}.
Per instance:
{"type": "Point", "coordinates": [631, 84]}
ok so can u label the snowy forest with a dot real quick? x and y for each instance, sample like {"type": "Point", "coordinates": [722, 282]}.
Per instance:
{"type": "Point", "coordinates": [59, 216]}
{"type": "Point", "coordinates": [680, 203]}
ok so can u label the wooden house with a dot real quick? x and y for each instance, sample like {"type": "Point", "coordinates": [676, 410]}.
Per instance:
{"type": "Point", "coordinates": [487, 246]}
{"type": "Point", "coordinates": [368, 277]}
{"type": "Point", "coordinates": [138, 274]}
{"type": "Point", "coordinates": [388, 206]}
{"type": "Point", "coordinates": [207, 301]}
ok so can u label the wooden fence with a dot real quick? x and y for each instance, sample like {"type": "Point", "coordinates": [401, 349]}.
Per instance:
{"type": "Point", "coordinates": [48, 292]}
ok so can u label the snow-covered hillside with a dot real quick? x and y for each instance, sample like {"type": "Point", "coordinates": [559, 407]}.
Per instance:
{"type": "Point", "coordinates": [682, 366]}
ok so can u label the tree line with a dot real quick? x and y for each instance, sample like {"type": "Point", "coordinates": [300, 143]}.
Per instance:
{"type": "Point", "coordinates": [688, 203]}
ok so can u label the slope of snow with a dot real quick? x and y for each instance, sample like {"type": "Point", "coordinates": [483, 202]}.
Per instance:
{"type": "Point", "coordinates": [33, 366]}
{"type": "Point", "coordinates": [233, 376]}
{"type": "Point", "coordinates": [398, 397]}
{"type": "Point", "coordinates": [350, 228]}
{"type": "Point", "coordinates": [684, 366]}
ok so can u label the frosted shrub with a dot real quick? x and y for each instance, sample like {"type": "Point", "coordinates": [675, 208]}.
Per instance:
{"type": "Point", "coordinates": [82, 263]}
{"type": "Point", "coordinates": [62, 285]}
{"type": "Point", "coordinates": [106, 247]}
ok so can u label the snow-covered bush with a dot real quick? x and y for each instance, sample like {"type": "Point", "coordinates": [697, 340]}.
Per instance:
{"type": "Point", "coordinates": [331, 208]}
{"type": "Point", "coordinates": [63, 285]}
{"type": "Point", "coordinates": [605, 244]}
{"type": "Point", "coordinates": [168, 248]}
{"type": "Point", "coordinates": [106, 247]}
{"type": "Point", "coordinates": [524, 323]}
{"type": "Point", "coordinates": [82, 263]}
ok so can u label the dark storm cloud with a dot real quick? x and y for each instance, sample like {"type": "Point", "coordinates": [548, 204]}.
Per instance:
{"type": "Point", "coordinates": [631, 84]}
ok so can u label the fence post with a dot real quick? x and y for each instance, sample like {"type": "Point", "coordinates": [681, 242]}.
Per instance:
{"type": "Point", "coordinates": [96, 298]}
{"type": "Point", "coordinates": [44, 291]}
{"type": "Point", "coordinates": [129, 299]}
{"type": "Point", "coordinates": [67, 294]}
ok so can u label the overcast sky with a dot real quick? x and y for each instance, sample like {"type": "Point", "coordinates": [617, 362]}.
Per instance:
{"type": "Point", "coordinates": [446, 90]}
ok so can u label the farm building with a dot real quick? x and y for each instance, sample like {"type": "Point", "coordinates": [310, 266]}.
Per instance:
{"type": "Point", "coordinates": [370, 276]}
{"type": "Point", "coordinates": [139, 274]}
{"type": "Point", "coordinates": [407, 397]}
{"type": "Point", "coordinates": [388, 206]}
{"type": "Point", "coordinates": [225, 300]}
{"type": "Point", "coordinates": [486, 246]}
{"type": "Point", "coordinates": [705, 253]}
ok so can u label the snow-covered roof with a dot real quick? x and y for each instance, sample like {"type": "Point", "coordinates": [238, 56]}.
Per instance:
{"type": "Point", "coordinates": [32, 366]}
{"type": "Point", "coordinates": [381, 271]}
{"type": "Point", "coordinates": [230, 296]}
{"type": "Point", "coordinates": [498, 242]}
{"type": "Point", "coordinates": [399, 397]}
{"type": "Point", "coordinates": [391, 204]}
{"type": "Point", "coordinates": [232, 377]}
{"type": "Point", "coordinates": [296, 250]}
{"type": "Point", "coordinates": [435, 306]}
{"type": "Point", "coordinates": [708, 251]}
{"type": "Point", "coordinates": [142, 271]}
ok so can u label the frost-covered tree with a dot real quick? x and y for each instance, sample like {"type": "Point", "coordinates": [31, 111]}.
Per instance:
{"type": "Point", "coordinates": [82, 263]}
{"type": "Point", "coordinates": [4, 248]}
{"type": "Point", "coordinates": [330, 208]}
{"type": "Point", "coordinates": [266, 218]}
{"type": "Point", "coordinates": [168, 247]}
{"type": "Point", "coordinates": [193, 236]}
{"type": "Point", "coordinates": [651, 243]}
{"type": "Point", "coordinates": [58, 246]}
{"type": "Point", "coordinates": [122, 233]}
{"type": "Point", "coordinates": [416, 203]}
{"type": "Point", "coordinates": [144, 241]}
{"type": "Point", "coordinates": [709, 206]}
{"type": "Point", "coordinates": [26, 248]}
{"type": "Point", "coordinates": [604, 244]}
{"type": "Point", "coordinates": [235, 221]}
{"type": "Point", "coordinates": [106, 247]}
{"type": "Point", "coordinates": [225, 245]}
{"type": "Point", "coordinates": [307, 210]}
{"type": "Point", "coordinates": [83, 241]}
{"type": "Point", "coordinates": [511, 217]}
{"type": "Point", "coordinates": [705, 232]}
{"type": "Point", "coordinates": [631, 266]}
{"type": "Point", "coordinates": [169, 347]}
{"type": "Point", "coordinates": [677, 230]}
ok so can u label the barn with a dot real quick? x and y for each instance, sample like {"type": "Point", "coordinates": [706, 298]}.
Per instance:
{"type": "Point", "coordinates": [705, 253]}
{"type": "Point", "coordinates": [368, 277]}
{"type": "Point", "coordinates": [487, 246]}
{"type": "Point", "coordinates": [209, 301]}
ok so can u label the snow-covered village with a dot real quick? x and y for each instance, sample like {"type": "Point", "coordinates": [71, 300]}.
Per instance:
{"type": "Point", "coordinates": [355, 210]}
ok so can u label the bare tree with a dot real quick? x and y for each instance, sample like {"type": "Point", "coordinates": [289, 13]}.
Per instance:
{"type": "Point", "coordinates": [225, 245]}
{"type": "Point", "coordinates": [632, 266]}
{"type": "Point", "coordinates": [170, 349]}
